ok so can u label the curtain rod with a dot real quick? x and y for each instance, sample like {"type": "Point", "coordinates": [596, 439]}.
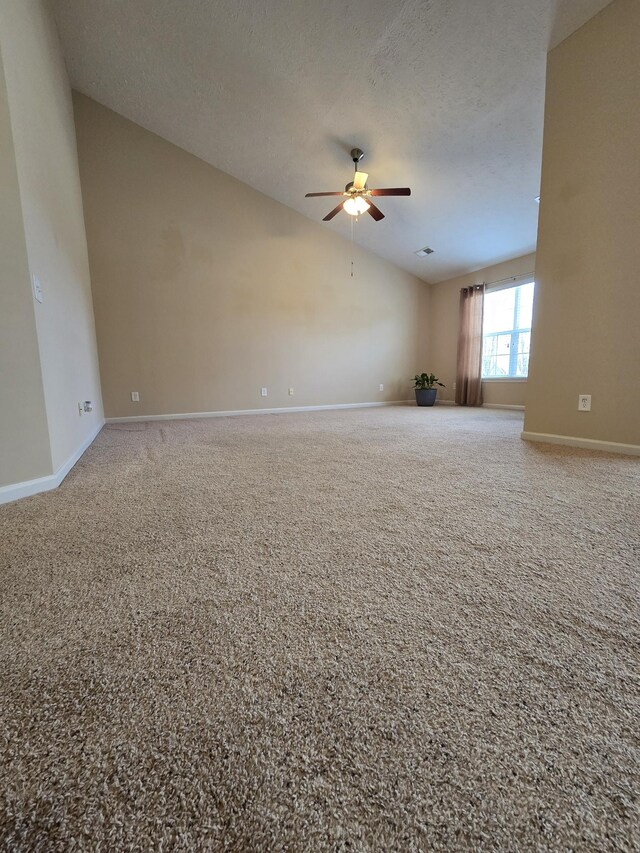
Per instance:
{"type": "Point", "coordinates": [509, 278]}
{"type": "Point", "coordinates": [500, 281]}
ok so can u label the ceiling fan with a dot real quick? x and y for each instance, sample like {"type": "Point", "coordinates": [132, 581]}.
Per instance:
{"type": "Point", "coordinates": [358, 195]}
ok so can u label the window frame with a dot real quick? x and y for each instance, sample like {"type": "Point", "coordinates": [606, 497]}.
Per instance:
{"type": "Point", "coordinates": [513, 353]}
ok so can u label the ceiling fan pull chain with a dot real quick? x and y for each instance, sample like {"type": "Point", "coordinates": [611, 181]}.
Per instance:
{"type": "Point", "coordinates": [352, 221]}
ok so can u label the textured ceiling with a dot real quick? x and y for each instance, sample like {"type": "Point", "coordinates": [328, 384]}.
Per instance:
{"type": "Point", "coordinates": [445, 96]}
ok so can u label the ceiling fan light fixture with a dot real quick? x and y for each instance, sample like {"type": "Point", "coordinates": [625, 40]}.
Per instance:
{"type": "Point", "coordinates": [356, 205]}
{"type": "Point", "coordinates": [358, 194]}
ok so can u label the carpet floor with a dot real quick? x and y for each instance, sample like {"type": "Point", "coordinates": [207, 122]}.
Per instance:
{"type": "Point", "coordinates": [393, 629]}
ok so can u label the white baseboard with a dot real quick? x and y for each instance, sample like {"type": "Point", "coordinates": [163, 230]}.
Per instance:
{"type": "Point", "coordinates": [503, 406]}
{"type": "Point", "coordinates": [186, 416]}
{"type": "Point", "coordinates": [44, 484]}
{"type": "Point", "coordinates": [585, 443]}
{"type": "Point", "coordinates": [484, 405]}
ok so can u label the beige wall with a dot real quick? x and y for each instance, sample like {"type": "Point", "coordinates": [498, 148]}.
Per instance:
{"type": "Point", "coordinates": [586, 337]}
{"type": "Point", "coordinates": [24, 439]}
{"type": "Point", "coordinates": [425, 331]}
{"type": "Point", "coordinates": [445, 300]}
{"type": "Point", "coordinates": [206, 290]}
{"type": "Point", "coordinates": [41, 114]}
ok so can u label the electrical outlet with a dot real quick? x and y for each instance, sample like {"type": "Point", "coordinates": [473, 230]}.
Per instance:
{"type": "Point", "coordinates": [381, 387]}
{"type": "Point", "coordinates": [291, 392]}
{"type": "Point", "coordinates": [37, 289]}
{"type": "Point", "coordinates": [584, 402]}
{"type": "Point", "coordinates": [88, 406]}
{"type": "Point", "coordinates": [453, 386]}
{"type": "Point", "coordinates": [263, 392]}
{"type": "Point", "coordinates": [135, 397]}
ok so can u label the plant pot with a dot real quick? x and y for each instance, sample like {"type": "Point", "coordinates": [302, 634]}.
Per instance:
{"type": "Point", "coordinates": [426, 396]}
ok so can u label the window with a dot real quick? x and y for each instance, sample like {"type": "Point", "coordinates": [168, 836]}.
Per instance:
{"type": "Point", "coordinates": [506, 331]}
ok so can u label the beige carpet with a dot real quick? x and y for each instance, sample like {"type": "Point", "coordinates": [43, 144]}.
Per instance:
{"type": "Point", "coordinates": [385, 629]}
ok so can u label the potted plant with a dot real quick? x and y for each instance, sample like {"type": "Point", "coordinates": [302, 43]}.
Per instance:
{"type": "Point", "coordinates": [425, 388]}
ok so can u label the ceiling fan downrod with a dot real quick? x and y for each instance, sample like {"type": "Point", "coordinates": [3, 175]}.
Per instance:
{"type": "Point", "coordinates": [356, 155]}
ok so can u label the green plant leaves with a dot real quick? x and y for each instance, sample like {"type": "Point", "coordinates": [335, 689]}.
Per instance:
{"type": "Point", "coordinates": [426, 380]}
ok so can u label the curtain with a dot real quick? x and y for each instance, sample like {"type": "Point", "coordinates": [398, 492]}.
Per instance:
{"type": "Point", "coordinates": [469, 369]}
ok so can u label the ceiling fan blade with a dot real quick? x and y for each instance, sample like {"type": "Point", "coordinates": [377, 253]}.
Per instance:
{"type": "Point", "coordinates": [372, 210]}
{"type": "Point", "coordinates": [392, 191]}
{"type": "Point", "coordinates": [360, 180]}
{"type": "Point", "coordinates": [333, 212]}
{"type": "Point", "coordinates": [314, 195]}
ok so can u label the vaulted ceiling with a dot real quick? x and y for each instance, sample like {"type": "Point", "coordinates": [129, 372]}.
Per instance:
{"type": "Point", "coordinates": [445, 96]}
